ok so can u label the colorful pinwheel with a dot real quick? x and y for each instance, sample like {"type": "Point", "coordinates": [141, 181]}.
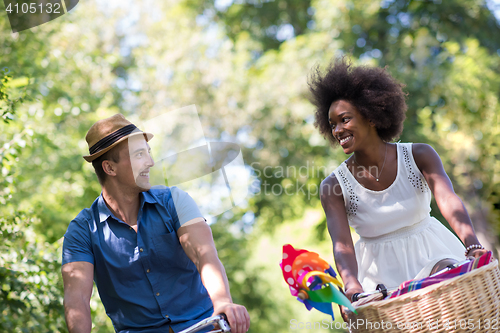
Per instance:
{"type": "Point", "coordinates": [312, 280]}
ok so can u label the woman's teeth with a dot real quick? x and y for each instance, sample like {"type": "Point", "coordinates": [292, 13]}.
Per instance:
{"type": "Point", "coordinates": [344, 140]}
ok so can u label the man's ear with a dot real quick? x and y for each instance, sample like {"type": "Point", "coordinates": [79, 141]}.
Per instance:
{"type": "Point", "coordinates": [109, 167]}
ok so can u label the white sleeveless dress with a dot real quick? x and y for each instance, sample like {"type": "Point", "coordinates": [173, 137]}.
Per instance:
{"type": "Point", "coordinates": [399, 240]}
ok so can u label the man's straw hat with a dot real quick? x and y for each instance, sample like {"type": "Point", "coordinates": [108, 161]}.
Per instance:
{"type": "Point", "coordinates": [107, 133]}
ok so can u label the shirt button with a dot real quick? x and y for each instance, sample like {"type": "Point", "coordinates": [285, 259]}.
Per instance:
{"type": "Point", "coordinates": [157, 294]}
{"type": "Point", "coordinates": [148, 270]}
{"type": "Point", "coordinates": [166, 316]}
{"type": "Point", "coordinates": [141, 249]}
{"type": "Point", "coordinates": [131, 228]}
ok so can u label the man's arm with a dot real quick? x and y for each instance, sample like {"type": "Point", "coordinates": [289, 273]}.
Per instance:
{"type": "Point", "coordinates": [197, 241]}
{"type": "Point", "coordinates": [78, 279]}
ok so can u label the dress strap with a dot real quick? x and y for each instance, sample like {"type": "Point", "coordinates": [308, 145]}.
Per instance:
{"type": "Point", "coordinates": [350, 197]}
{"type": "Point", "coordinates": [414, 175]}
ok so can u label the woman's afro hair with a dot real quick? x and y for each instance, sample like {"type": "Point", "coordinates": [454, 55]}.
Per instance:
{"type": "Point", "coordinates": [373, 91]}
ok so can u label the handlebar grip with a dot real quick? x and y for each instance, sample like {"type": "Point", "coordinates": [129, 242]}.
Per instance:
{"type": "Point", "coordinates": [224, 323]}
{"type": "Point", "coordinates": [382, 289]}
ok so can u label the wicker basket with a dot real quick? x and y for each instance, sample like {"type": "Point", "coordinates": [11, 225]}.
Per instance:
{"type": "Point", "coordinates": [466, 303]}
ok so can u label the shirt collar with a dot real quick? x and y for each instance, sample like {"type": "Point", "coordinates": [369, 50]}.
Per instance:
{"type": "Point", "coordinates": [147, 197]}
{"type": "Point", "coordinates": [104, 211]}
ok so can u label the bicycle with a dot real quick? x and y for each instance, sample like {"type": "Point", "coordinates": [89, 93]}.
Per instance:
{"type": "Point", "coordinates": [220, 320]}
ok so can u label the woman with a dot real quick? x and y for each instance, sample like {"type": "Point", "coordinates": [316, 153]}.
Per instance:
{"type": "Point", "coordinates": [383, 190]}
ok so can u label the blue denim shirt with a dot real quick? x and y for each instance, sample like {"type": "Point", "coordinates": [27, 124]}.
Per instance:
{"type": "Point", "coordinates": [145, 279]}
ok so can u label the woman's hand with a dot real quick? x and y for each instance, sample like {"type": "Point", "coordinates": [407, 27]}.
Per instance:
{"type": "Point", "coordinates": [348, 293]}
{"type": "Point", "coordinates": [476, 253]}
{"type": "Point", "coordinates": [351, 291]}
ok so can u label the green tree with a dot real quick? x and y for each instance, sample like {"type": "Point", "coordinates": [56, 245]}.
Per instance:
{"type": "Point", "coordinates": [250, 86]}
{"type": "Point", "coordinates": [31, 292]}
{"type": "Point", "coordinates": [269, 23]}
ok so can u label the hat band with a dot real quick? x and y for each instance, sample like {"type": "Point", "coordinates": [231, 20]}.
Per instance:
{"type": "Point", "coordinates": [112, 138]}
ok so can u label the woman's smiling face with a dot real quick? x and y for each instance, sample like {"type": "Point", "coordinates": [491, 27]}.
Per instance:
{"type": "Point", "coordinates": [348, 126]}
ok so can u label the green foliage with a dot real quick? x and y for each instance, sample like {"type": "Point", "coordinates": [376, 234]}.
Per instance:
{"type": "Point", "coordinates": [249, 86]}
{"type": "Point", "coordinates": [31, 286]}
{"type": "Point", "coordinates": [246, 285]}
{"type": "Point", "coordinates": [7, 105]}
{"type": "Point", "coordinates": [269, 23]}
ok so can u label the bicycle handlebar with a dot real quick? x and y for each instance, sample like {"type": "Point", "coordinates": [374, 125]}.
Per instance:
{"type": "Point", "coordinates": [219, 319]}
{"type": "Point", "coordinates": [381, 288]}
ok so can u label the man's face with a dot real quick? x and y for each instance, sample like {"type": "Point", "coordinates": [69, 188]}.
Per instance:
{"type": "Point", "coordinates": [139, 161]}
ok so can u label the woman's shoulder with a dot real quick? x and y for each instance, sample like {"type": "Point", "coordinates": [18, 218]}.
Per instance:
{"type": "Point", "coordinates": [332, 178]}
{"type": "Point", "coordinates": [424, 154]}
{"type": "Point", "coordinates": [418, 150]}
{"type": "Point", "coordinates": [330, 186]}
{"type": "Point", "coordinates": [422, 150]}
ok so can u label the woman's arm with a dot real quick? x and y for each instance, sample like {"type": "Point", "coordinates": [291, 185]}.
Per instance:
{"type": "Point", "coordinates": [450, 205]}
{"type": "Point", "coordinates": [340, 233]}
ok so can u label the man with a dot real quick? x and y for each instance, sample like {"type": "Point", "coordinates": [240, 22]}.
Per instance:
{"type": "Point", "coordinates": [149, 251]}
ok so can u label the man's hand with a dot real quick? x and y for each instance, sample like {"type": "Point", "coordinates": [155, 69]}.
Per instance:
{"type": "Point", "coordinates": [237, 315]}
